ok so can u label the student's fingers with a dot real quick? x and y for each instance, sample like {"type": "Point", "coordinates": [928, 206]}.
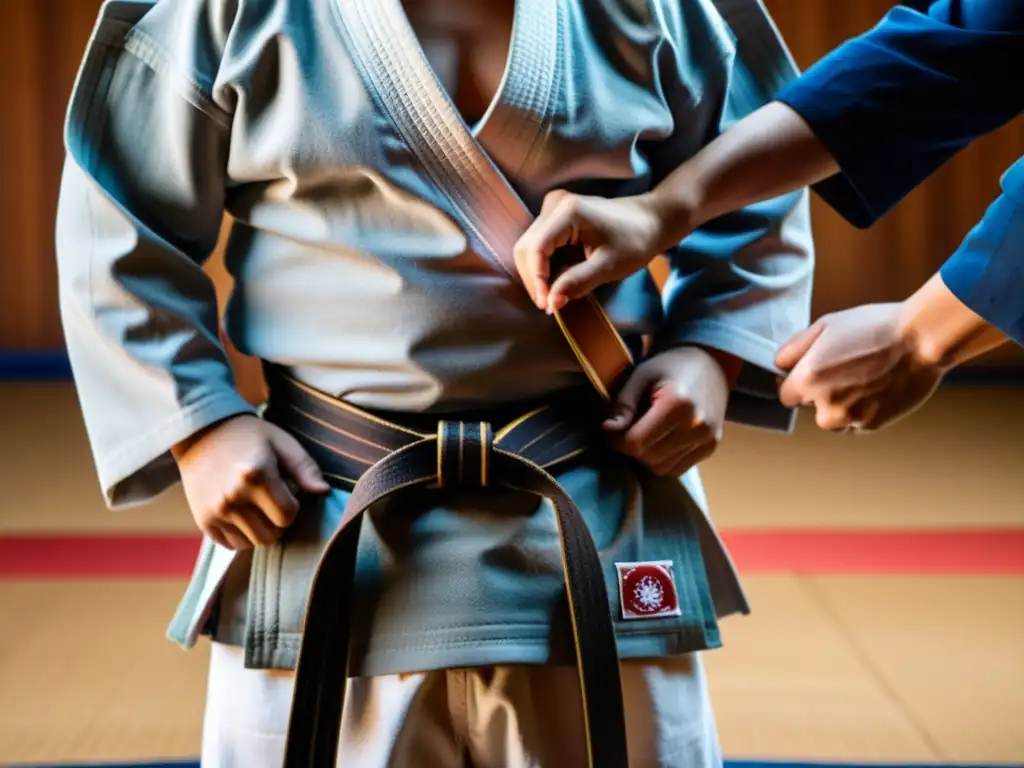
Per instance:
{"type": "Point", "coordinates": [216, 535]}
{"type": "Point", "coordinates": [264, 487]}
{"type": "Point", "coordinates": [251, 521]}
{"type": "Point", "coordinates": [691, 459]}
{"type": "Point", "coordinates": [627, 403]}
{"type": "Point", "coordinates": [668, 451]}
{"type": "Point", "coordinates": [295, 464]}
{"type": "Point", "coordinates": [656, 421]}
{"type": "Point", "coordinates": [275, 500]}
{"type": "Point", "coordinates": [228, 536]}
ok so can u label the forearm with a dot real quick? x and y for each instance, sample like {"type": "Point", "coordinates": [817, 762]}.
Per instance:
{"type": "Point", "coordinates": [944, 331]}
{"type": "Point", "coordinates": [767, 154]}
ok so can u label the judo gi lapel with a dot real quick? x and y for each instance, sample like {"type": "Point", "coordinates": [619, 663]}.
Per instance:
{"type": "Point", "coordinates": [399, 77]}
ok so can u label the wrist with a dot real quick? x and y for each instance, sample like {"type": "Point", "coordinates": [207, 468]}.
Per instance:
{"type": "Point", "coordinates": [677, 212]}
{"type": "Point", "coordinates": [939, 330]}
{"type": "Point", "coordinates": [180, 449]}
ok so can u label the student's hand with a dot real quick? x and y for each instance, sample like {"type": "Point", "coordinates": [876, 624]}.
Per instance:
{"type": "Point", "coordinates": [234, 476]}
{"type": "Point", "coordinates": [858, 368]}
{"type": "Point", "coordinates": [671, 411]}
{"type": "Point", "coordinates": [619, 237]}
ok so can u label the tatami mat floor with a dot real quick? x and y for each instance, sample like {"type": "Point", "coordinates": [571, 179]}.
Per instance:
{"type": "Point", "coordinates": [862, 667]}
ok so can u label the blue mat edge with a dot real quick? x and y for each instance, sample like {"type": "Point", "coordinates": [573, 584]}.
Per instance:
{"type": "Point", "coordinates": [53, 366]}
{"type": "Point", "coordinates": [728, 764]}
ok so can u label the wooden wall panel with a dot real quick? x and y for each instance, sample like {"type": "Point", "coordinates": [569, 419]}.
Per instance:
{"type": "Point", "coordinates": [40, 53]}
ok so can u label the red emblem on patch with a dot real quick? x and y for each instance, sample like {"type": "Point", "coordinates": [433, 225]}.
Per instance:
{"type": "Point", "coordinates": [647, 590]}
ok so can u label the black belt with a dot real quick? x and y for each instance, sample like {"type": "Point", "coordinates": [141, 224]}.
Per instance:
{"type": "Point", "coordinates": [376, 458]}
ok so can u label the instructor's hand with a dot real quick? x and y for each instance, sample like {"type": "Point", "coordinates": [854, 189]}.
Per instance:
{"type": "Point", "coordinates": [233, 474]}
{"type": "Point", "coordinates": [858, 368]}
{"type": "Point", "coordinates": [671, 411]}
{"type": "Point", "coordinates": [619, 237]}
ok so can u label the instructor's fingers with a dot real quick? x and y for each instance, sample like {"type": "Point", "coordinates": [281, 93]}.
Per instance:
{"type": "Point", "coordinates": [795, 391]}
{"type": "Point", "coordinates": [792, 351]}
{"type": "Point", "coordinates": [832, 417]}
{"type": "Point", "coordinates": [580, 279]}
{"type": "Point", "coordinates": [533, 252]}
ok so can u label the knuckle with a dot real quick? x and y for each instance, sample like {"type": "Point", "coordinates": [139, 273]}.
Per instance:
{"type": "Point", "coordinates": [214, 514]}
{"type": "Point", "coordinates": [569, 203]}
{"type": "Point", "coordinates": [222, 513]}
{"type": "Point", "coordinates": [554, 196]}
{"type": "Point", "coordinates": [235, 495]}
{"type": "Point", "coordinates": [253, 474]}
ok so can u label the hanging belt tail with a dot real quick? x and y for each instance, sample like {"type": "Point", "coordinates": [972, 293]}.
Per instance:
{"type": "Point", "coordinates": [376, 459]}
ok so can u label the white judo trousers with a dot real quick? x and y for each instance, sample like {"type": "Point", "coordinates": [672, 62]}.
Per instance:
{"type": "Point", "coordinates": [487, 717]}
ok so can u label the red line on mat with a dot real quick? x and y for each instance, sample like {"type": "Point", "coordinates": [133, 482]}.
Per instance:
{"type": "Point", "coordinates": [118, 556]}
{"type": "Point", "coordinates": [928, 551]}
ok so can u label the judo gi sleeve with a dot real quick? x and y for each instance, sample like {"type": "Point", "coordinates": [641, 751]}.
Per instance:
{"type": "Point", "coordinates": [896, 103]}
{"type": "Point", "coordinates": [740, 283]}
{"type": "Point", "coordinates": [141, 203]}
{"type": "Point", "coordinates": [987, 271]}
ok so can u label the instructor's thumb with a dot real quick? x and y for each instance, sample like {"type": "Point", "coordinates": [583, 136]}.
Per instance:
{"type": "Point", "coordinates": [296, 463]}
{"type": "Point", "coordinates": [628, 401]}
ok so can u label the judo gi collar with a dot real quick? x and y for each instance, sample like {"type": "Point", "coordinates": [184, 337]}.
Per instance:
{"type": "Point", "coordinates": [398, 77]}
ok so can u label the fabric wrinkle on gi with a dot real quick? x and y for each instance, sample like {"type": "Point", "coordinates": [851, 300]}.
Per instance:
{"type": "Point", "coordinates": [426, 321]}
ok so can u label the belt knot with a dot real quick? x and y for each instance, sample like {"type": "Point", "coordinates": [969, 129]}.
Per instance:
{"type": "Point", "coordinates": [463, 453]}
